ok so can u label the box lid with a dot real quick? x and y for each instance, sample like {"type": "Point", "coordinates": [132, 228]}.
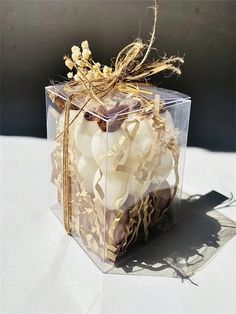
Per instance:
{"type": "Point", "coordinates": [118, 103]}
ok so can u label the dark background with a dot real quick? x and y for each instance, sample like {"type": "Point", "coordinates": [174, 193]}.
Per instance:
{"type": "Point", "coordinates": [36, 34]}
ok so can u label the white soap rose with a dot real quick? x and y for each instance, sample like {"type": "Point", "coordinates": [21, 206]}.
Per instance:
{"type": "Point", "coordinates": [142, 142]}
{"type": "Point", "coordinates": [106, 149]}
{"type": "Point", "coordinates": [137, 188]}
{"type": "Point", "coordinates": [83, 133]}
{"type": "Point", "coordinates": [114, 186]}
{"type": "Point", "coordinates": [86, 169]}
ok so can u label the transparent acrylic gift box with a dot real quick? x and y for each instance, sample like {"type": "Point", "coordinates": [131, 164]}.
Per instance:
{"type": "Point", "coordinates": [126, 168]}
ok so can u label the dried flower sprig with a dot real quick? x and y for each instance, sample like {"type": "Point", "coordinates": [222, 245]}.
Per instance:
{"type": "Point", "coordinates": [83, 66]}
{"type": "Point", "coordinates": [130, 67]}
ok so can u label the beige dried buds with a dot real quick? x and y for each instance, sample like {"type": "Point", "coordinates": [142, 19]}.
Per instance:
{"type": "Point", "coordinates": [85, 44]}
{"type": "Point", "coordinates": [81, 60]}
{"type": "Point", "coordinates": [86, 53]}
{"type": "Point", "coordinates": [107, 71]}
{"type": "Point", "coordinates": [69, 63]}
{"type": "Point", "coordinates": [70, 75]}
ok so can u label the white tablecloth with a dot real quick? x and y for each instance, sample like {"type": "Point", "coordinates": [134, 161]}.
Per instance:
{"type": "Point", "coordinates": [45, 271]}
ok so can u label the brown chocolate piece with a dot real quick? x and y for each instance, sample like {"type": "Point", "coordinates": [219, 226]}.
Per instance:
{"type": "Point", "coordinates": [119, 232]}
{"type": "Point", "coordinates": [162, 196]}
{"type": "Point", "coordinates": [102, 125]}
{"type": "Point", "coordinates": [115, 120]}
{"type": "Point", "coordinates": [89, 116]}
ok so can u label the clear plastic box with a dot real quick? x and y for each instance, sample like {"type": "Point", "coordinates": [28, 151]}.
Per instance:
{"type": "Point", "coordinates": [126, 168]}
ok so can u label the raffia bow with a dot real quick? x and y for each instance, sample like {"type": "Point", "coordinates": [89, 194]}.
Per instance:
{"type": "Point", "coordinates": [130, 67]}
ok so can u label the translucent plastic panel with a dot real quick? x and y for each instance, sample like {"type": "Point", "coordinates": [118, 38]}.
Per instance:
{"type": "Point", "coordinates": [126, 169]}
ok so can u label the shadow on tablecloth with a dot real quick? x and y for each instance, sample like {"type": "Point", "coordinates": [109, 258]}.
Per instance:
{"type": "Point", "coordinates": [196, 236]}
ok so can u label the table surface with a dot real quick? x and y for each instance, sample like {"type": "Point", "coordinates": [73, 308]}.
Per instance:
{"type": "Point", "coordinates": [45, 271]}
